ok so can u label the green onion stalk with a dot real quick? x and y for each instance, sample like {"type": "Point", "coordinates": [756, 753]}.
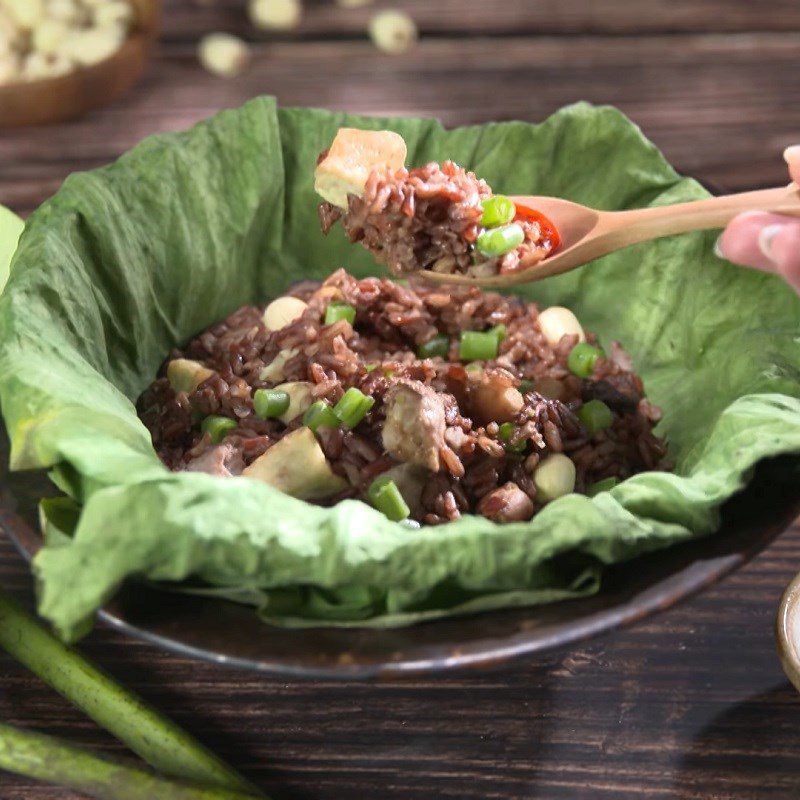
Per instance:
{"type": "Point", "coordinates": [157, 740]}
{"type": "Point", "coordinates": [46, 758]}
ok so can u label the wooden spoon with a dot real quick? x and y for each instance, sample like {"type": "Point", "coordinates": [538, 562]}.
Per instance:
{"type": "Point", "coordinates": [587, 234]}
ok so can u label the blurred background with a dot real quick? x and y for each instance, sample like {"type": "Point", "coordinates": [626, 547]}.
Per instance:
{"type": "Point", "coordinates": [713, 82]}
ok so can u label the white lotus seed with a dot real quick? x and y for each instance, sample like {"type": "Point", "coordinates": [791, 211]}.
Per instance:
{"type": "Point", "coordinates": [115, 12]}
{"type": "Point", "coordinates": [48, 35]}
{"type": "Point", "coordinates": [9, 68]}
{"type": "Point", "coordinates": [282, 15]}
{"type": "Point", "coordinates": [556, 322]}
{"type": "Point", "coordinates": [92, 45]}
{"type": "Point", "coordinates": [282, 312]}
{"type": "Point", "coordinates": [26, 13]}
{"type": "Point", "coordinates": [223, 54]}
{"type": "Point", "coordinates": [393, 32]}
{"type": "Point", "coordinates": [554, 477]}
{"type": "Point", "coordinates": [68, 11]}
{"type": "Point", "coordinates": [37, 66]}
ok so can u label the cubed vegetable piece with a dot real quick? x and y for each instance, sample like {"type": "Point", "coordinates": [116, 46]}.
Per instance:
{"type": "Point", "coordinates": [385, 496]}
{"type": "Point", "coordinates": [185, 375]}
{"type": "Point", "coordinates": [478, 346]}
{"type": "Point", "coordinates": [218, 427]}
{"type": "Point", "coordinates": [507, 430]}
{"type": "Point", "coordinates": [270, 403]}
{"type": "Point", "coordinates": [297, 466]}
{"type": "Point", "coordinates": [582, 358]}
{"type": "Point", "coordinates": [301, 396]}
{"type": "Point", "coordinates": [274, 371]}
{"type": "Point", "coordinates": [595, 416]}
{"type": "Point", "coordinates": [494, 242]}
{"type": "Point", "coordinates": [438, 345]}
{"type": "Point", "coordinates": [336, 311]}
{"type": "Point", "coordinates": [497, 210]}
{"type": "Point", "coordinates": [320, 415]}
{"type": "Point", "coordinates": [353, 407]}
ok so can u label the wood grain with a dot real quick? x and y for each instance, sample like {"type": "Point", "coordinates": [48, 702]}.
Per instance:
{"type": "Point", "coordinates": [691, 705]}
{"type": "Point", "coordinates": [509, 17]}
{"type": "Point", "coordinates": [719, 106]}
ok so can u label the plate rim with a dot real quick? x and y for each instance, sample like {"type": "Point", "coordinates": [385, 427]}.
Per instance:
{"type": "Point", "coordinates": [484, 653]}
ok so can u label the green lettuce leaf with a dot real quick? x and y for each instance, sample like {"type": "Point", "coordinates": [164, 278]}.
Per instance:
{"type": "Point", "coordinates": [125, 262]}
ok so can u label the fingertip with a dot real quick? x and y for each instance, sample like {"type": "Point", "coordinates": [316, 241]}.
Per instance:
{"type": "Point", "coordinates": [784, 249]}
{"type": "Point", "coordinates": [792, 157]}
{"type": "Point", "coordinates": [739, 242]}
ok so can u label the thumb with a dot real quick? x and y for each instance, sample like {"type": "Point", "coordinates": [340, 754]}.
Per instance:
{"type": "Point", "coordinates": [769, 242]}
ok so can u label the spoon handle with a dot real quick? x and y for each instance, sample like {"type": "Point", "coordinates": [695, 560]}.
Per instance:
{"type": "Point", "coordinates": [641, 224]}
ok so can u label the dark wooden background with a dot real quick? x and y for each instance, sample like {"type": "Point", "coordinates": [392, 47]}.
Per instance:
{"type": "Point", "coordinates": [692, 704]}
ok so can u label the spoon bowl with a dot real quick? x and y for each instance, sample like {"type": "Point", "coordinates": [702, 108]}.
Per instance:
{"type": "Point", "coordinates": [588, 234]}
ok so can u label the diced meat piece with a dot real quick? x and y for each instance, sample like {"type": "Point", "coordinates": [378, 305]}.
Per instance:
{"type": "Point", "coordinates": [415, 424]}
{"type": "Point", "coordinates": [622, 402]}
{"type": "Point", "coordinates": [494, 398]}
{"type": "Point", "coordinates": [224, 461]}
{"type": "Point", "coordinates": [508, 503]}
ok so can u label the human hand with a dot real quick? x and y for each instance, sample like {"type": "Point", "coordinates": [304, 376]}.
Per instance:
{"type": "Point", "coordinates": [768, 242]}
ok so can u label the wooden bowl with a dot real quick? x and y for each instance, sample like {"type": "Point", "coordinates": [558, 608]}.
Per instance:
{"type": "Point", "coordinates": [78, 92]}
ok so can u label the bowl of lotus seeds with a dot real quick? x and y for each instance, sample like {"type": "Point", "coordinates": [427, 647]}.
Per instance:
{"type": "Point", "coordinates": [60, 59]}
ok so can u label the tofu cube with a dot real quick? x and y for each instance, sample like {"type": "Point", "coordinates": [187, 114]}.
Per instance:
{"type": "Point", "coordinates": [350, 159]}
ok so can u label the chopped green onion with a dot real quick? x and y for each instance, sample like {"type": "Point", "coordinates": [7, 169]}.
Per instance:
{"type": "Point", "coordinates": [582, 358]}
{"type": "Point", "coordinates": [336, 311]}
{"type": "Point", "coordinates": [507, 430]}
{"type": "Point", "coordinates": [495, 242]}
{"type": "Point", "coordinates": [385, 496]}
{"type": "Point", "coordinates": [270, 403]}
{"type": "Point", "coordinates": [606, 485]}
{"type": "Point", "coordinates": [370, 367]}
{"type": "Point", "coordinates": [320, 415]}
{"type": "Point", "coordinates": [439, 345]}
{"type": "Point", "coordinates": [595, 416]}
{"type": "Point", "coordinates": [497, 210]}
{"type": "Point", "coordinates": [474, 367]}
{"type": "Point", "coordinates": [353, 407]}
{"type": "Point", "coordinates": [525, 386]}
{"type": "Point", "coordinates": [478, 346]}
{"type": "Point", "coordinates": [499, 331]}
{"type": "Point", "coordinates": [218, 427]}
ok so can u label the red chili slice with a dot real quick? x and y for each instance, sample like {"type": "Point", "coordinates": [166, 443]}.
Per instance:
{"type": "Point", "coordinates": [550, 233]}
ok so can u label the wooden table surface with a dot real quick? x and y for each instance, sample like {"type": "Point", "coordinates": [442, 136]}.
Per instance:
{"type": "Point", "coordinates": [692, 704]}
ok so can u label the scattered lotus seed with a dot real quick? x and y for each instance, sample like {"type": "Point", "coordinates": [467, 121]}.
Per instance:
{"type": "Point", "coordinates": [37, 66]}
{"type": "Point", "coordinates": [68, 11]}
{"type": "Point", "coordinates": [47, 36]}
{"type": "Point", "coordinates": [393, 32]}
{"type": "Point", "coordinates": [280, 15]}
{"type": "Point", "coordinates": [224, 54]}
{"type": "Point", "coordinates": [25, 13]}
{"type": "Point", "coordinates": [116, 12]}
{"type": "Point", "coordinates": [92, 45]}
